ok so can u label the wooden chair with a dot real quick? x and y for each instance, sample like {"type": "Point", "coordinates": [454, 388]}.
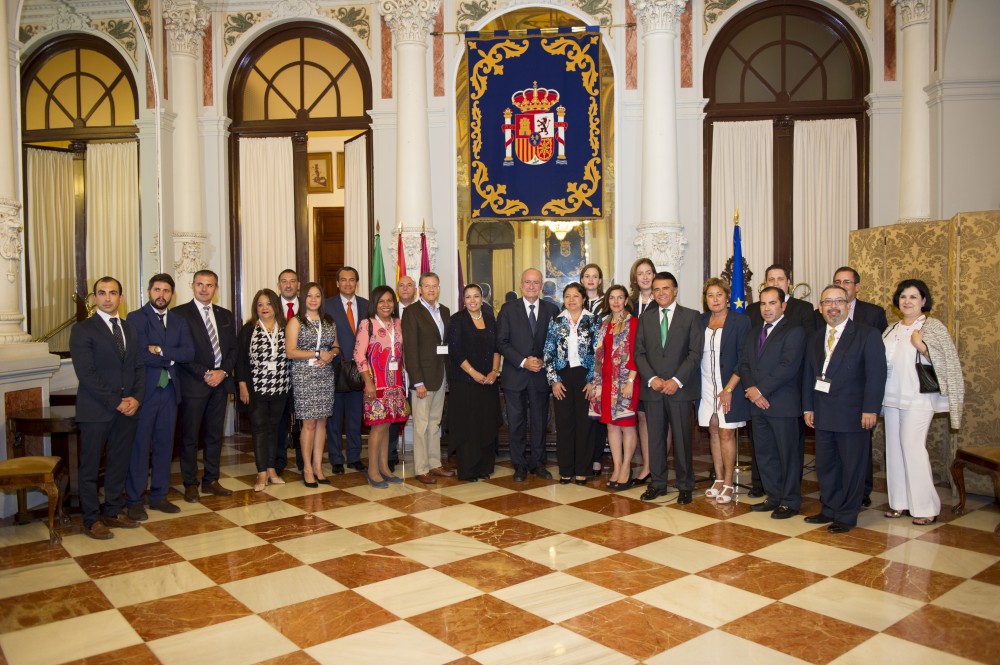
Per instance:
{"type": "Point", "coordinates": [45, 473]}
{"type": "Point", "coordinates": [987, 458]}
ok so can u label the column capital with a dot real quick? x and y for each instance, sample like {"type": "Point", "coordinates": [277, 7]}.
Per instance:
{"type": "Point", "coordinates": [912, 12]}
{"type": "Point", "coordinates": [410, 20]}
{"type": "Point", "coordinates": [192, 252]}
{"type": "Point", "coordinates": [663, 243]}
{"type": "Point", "coordinates": [185, 21]}
{"type": "Point", "coordinates": [658, 15]}
{"type": "Point", "coordinates": [411, 248]}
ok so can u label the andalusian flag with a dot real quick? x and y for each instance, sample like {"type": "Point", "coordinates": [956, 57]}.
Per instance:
{"type": "Point", "coordinates": [378, 269]}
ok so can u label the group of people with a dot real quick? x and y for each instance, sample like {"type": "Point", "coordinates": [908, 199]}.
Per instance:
{"type": "Point", "coordinates": [628, 366]}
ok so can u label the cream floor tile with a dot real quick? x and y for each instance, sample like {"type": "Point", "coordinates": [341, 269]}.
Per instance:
{"type": "Point", "coordinates": [234, 484]}
{"type": "Point", "coordinates": [790, 527]}
{"type": "Point", "coordinates": [564, 518]}
{"type": "Point", "coordinates": [942, 558]}
{"type": "Point", "coordinates": [152, 583]}
{"type": "Point", "coordinates": [61, 641]}
{"type": "Point", "coordinates": [721, 647]}
{"type": "Point", "coordinates": [23, 533]}
{"type": "Point", "coordinates": [260, 512]}
{"type": "Point", "coordinates": [684, 554]}
{"type": "Point", "coordinates": [200, 545]}
{"type": "Point", "coordinates": [328, 545]}
{"type": "Point", "coordinates": [973, 597]}
{"type": "Point", "coordinates": [397, 642]}
{"type": "Point", "coordinates": [243, 469]}
{"type": "Point", "coordinates": [362, 513]}
{"type": "Point", "coordinates": [416, 593]}
{"type": "Point", "coordinates": [370, 493]}
{"type": "Point", "coordinates": [293, 488]}
{"type": "Point", "coordinates": [887, 649]}
{"type": "Point", "coordinates": [669, 520]}
{"type": "Point", "coordinates": [702, 600]}
{"type": "Point", "coordinates": [40, 576]}
{"type": "Point", "coordinates": [984, 520]}
{"type": "Point", "coordinates": [80, 544]}
{"type": "Point", "coordinates": [854, 603]}
{"type": "Point", "coordinates": [459, 517]}
{"type": "Point", "coordinates": [470, 492]}
{"type": "Point", "coordinates": [558, 596]}
{"type": "Point", "coordinates": [238, 642]}
{"type": "Point", "coordinates": [285, 587]}
{"type": "Point", "coordinates": [874, 520]}
{"type": "Point", "coordinates": [814, 557]}
{"type": "Point", "coordinates": [186, 509]}
{"type": "Point", "coordinates": [564, 493]}
{"type": "Point", "coordinates": [442, 548]}
{"type": "Point", "coordinates": [560, 551]}
{"type": "Point", "coordinates": [552, 646]}
{"type": "Point", "coordinates": [502, 471]}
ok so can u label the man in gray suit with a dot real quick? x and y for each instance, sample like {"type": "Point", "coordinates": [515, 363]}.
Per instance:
{"type": "Point", "coordinates": [668, 348]}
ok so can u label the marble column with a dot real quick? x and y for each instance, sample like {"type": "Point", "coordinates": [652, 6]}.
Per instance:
{"type": "Point", "coordinates": [411, 22]}
{"type": "Point", "coordinates": [185, 22]}
{"type": "Point", "coordinates": [660, 234]}
{"type": "Point", "coordinates": [915, 142]}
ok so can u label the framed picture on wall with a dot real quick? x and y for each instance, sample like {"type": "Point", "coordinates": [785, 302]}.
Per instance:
{"type": "Point", "coordinates": [320, 173]}
{"type": "Point", "coordinates": [340, 170]}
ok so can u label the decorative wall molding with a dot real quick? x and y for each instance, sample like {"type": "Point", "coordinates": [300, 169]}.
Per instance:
{"type": "Point", "coordinates": [191, 257]}
{"type": "Point", "coordinates": [123, 31]}
{"type": "Point", "coordinates": [657, 15]}
{"type": "Point", "coordinates": [68, 18]}
{"type": "Point", "coordinates": [11, 246]}
{"type": "Point", "coordinates": [912, 12]}
{"type": "Point", "coordinates": [409, 20]}
{"type": "Point", "coordinates": [411, 249]}
{"type": "Point", "coordinates": [185, 21]}
{"type": "Point", "coordinates": [356, 18]}
{"type": "Point", "coordinates": [236, 25]}
{"type": "Point", "coordinates": [295, 9]}
{"type": "Point", "coordinates": [663, 244]}
{"type": "Point", "coordinates": [714, 10]}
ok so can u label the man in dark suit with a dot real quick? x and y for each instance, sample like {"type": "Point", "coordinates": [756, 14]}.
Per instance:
{"type": "Point", "coordinates": [162, 345]}
{"type": "Point", "coordinates": [425, 323]}
{"type": "Point", "coordinates": [206, 382]}
{"type": "Point", "coordinates": [288, 290]}
{"type": "Point", "coordinates": [347, 310]}
{"type": "Point", "coordinates": [521, 329]}
{"type": "Point", "coordinates": [668, 347]}
{"type": "Point", "coordinates": [107, 362]}
{"type": "Point", "coordinates": [771, 370]}
{"type": "Point", "coordinates": [842, 389]}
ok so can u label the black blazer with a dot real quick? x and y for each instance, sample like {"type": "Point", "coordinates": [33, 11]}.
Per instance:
{"type": "Point", "coordinates": [515, 343]}
{"type": "Point", "coordinates": [864, 312]}
{"type": "Point", "coordinates": [734, 332]}
{"type": "Point", "coordinates": [777, 374]}
{"type": "Point", "coordinates": [175, 342]}
{"type": "Point", "coordinates": [193, 372]}
{"type": "Point", "coordinates": [466, 342]}
{"type": "Point", "coordinates": [857, 374]}
{"type": "Point", "coordinates": [105, 377]}
{"type": "Point", "coordinates": [680, 358]}
{"type": "Point", "coordinates": [798, 312]}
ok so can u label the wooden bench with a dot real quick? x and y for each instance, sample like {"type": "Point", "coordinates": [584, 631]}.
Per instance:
{"type": "Point", "coordinates": [45, 473]}
{"type": "Point", "coordinates": [988, 458]}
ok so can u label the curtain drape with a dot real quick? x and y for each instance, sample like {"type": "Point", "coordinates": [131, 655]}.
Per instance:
{"type": "Point", "coordinates": [824, 199]}
{"type": "Point", "coordinates": [356, 252]}
{"type": "Point", "coordinates": [503, 275]}
{"type": "Point", "coordinates": [267, 214]}
{"type": "Point", "coordinates": [743, 177]}
{"type": "Point", "coordinates": [52, 247]}
{"type": "Point", "coordinates": [112, 186]}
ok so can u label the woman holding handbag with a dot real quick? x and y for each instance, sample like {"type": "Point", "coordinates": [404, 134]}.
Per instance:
{"type": "Point", "coordinates": [919, 353]}
{"type": "Point", "coordinates": [378, 353]}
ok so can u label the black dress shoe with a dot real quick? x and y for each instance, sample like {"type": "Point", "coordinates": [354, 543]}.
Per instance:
{"type": "Point", "coordinates": [215, 489]}
{"type": "Point", "coordinates": [643, 480]}
{"type": "Point", "coordinates": [819, 518]}
{"type": "Point", "coordinates": [357, 466]}
{"type": "Point", "coordinates": [763, 507]}
{"type": "Point", "coordinates": [542, 473]}
{"type": "Point", "coordinates": [684, 497]}
{"type": "Point", "coordinates": [839, 527]}
{"type": "Point", "coordinates": [165, 506]}
{"type": "Point", "coordinates": [520, 474]}
{"type": "Point", "coordinates": [392, 465]}
{"type": "Point", "coordinates": [338, 469]}
{"type": "Point", "coordinates": [137, 513]}
{"type": "Point", "coordinates": [783, 513]}
{"type": "Point", "coordinates": [580, 481]}
{"type": "Point", "coordinates": [484, 476]}
{"type": "Point", "coordinates": [565, 481]}
{"type": "Point", "coordinates": [191, 494]}
{"type": "Point", "coordinates": [755, 492]}
{"type": "Point", "coordinates": [866, 500]}
{"type": "Point", "coordinates": [653, 493]}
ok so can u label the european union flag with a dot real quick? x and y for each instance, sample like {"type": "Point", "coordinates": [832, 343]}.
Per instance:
{"type": "Point", "coordinates": [736, 301]}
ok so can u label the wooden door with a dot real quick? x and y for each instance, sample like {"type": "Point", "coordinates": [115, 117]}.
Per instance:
{"type": "Point", "coordinates": [329, 225]}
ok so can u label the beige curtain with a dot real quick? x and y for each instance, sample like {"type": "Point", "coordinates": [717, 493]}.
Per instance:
{"type": "Point", "coordinates": [356, 251]}
{"type": "Point", "coordinates": [824, 199]}
{"type": "Point", "coordinates": [743, 177]}
{"type": "Point", "coordinates": [267, 213]}
{"type": "Point", "coordinates": [503, 275]}
{"type": "Point", "coordinates": [50, 221]}
{"type": "Point", "coordinates": [112, 186]}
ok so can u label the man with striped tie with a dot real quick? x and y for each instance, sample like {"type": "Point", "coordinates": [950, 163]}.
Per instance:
{"type": "Point", "coordinates": [206, 383]}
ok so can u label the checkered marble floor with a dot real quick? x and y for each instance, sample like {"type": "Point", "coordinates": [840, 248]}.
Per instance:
{"type": "Point", "coordinates": [498, 572]}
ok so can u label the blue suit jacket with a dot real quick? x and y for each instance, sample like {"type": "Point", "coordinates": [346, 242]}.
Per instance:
{"type": "Point", "coordinates": [175, 342]}
{"type": "Point", "coordinates": [777, 373]}
{"type": "Point", "coordinates": [515, 343]}
{"type": "Point", "coordinates": [734, 333]}
{"type": "Point", "coordinates": [105, 377]}
{"type": "Point", "coordinates": [345, 336]}
{"type": "Point", "coordinates": [193, 372]}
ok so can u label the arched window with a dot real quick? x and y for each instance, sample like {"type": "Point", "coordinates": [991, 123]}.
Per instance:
{"type": "Point", "coordinates": [490, 258]}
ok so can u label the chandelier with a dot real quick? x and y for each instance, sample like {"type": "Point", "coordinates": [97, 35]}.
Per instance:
{"type": "Point", "coordinates": [558, 228]}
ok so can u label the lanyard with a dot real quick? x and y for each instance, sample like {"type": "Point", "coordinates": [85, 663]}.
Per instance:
{"type": "Point", "coordinates": [319, 334]}
{"type": "Point", "coordinates": [273, 339]}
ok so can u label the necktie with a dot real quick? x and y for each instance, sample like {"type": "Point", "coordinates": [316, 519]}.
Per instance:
{"type": "Point", "coordinates": [762, 338]}
{"type": "Point", "coordinates": [214, 337]}
{"type": "Point", "coordinates": [164, 374]}
{"type": "Point", "coordinates": [119, 338]}
{"type": "Point", "coordinates": [830, 339]}
{"type": "Point", "coordinates": [350, 315]}
{"type": "Point", "coordinates": [663, 326]}
{"type": "Point", "coordinates": [291, 312]}
{"type": "Point", "coordinates": [532, 320]}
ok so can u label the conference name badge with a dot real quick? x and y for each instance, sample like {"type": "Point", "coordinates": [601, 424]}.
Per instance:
{"type": "Point", "coordinates": [822, 385]}
{"type": "Point", "coordinates": [442, 349]}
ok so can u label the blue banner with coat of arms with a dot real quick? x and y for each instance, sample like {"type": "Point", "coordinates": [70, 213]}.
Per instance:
{"type": "Point", "coordinates": [535, 125]}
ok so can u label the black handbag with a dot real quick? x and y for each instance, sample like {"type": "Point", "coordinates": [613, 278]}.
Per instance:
{"type": "Point", "coordinates": [347, 378]}
{"type": "Point", "coordinates": [927, 377]}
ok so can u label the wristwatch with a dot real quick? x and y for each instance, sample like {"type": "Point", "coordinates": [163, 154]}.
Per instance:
{"type": "Point", "coordinates": [159, 351]}
{"type": "Point", "coordinates": [317, 353]}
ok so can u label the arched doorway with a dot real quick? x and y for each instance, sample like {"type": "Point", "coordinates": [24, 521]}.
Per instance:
{"type": "Point", "coordinates": [490, 258]}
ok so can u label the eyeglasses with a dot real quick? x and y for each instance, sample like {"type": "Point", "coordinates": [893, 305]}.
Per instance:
{"type": "Point", "coordinates": [839, 302]}
{"type": "Point", "coordinates": [843, 282]}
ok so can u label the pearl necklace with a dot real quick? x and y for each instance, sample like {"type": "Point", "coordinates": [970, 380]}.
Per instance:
{"type": "Point", "coordinates": [476, 318]}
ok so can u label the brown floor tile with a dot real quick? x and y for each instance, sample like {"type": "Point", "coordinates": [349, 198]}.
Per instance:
{"type": "Point", "coordinates": [760, 576]}
{"type": "Point", "coordinates": [419, 502]}
{"type": "Point", "coordinates": [515, 504]}
{"type": "Point", "coordinates": [127, 560]}
{"type": "Point", "coordinates": [494, 570]}
{"type": "Point", "coordinates": [478, 623]}
{"type": "Point", "coordinates": [950, 631]}
{"type": "Point", "coordinates": [531, 483]}
{"type": "Point", "coordinates": [898, 578]}
{"type": "Point", "coordinates": [352, 479]}
{"type": "Point", "coordinates": [290, 527]}
{"type": "Point", "coordinates": [464, 660]}
{"type": "Point", "coordinates": [991, 574]}
{"type": "Point", "coordinates": [327, 618]}
{"type": "Point", "coordinates": [133, 655]}
{"type": "Point", "coordinates": [625, 573]}
{"type": "Point", "coordinates": [294, 658]}
{"type": "Point", "coordinates": [42, 607]}
{"type": "Point", "coordinates": [187, 611]}
{"type": "Point", "coordinates": [634, 628]}
{"type": "Point", "coordinates": [613, 505]}
{"type": "Point", "coordinates": [188, 525]}
{"type": "Point", "coordinates": [237, 499]}
{"type": "Point", "coordinates": [809, 486]}
{"type": "Point", "coordinates": [363, 568]}
{"type": "Point", "coordinates": [812, 637]}
{"type": "Point", "coordinates": [735, 536]}
{"type": "Point", "coordinates": [16, 556]}
{"type": "Point", "coordinates": [241, 564]}
{"type": "Point", "coordinates": [710, 508]}
{"type": "Point", "coordinates": [619, 535]}
{"type": "Point", "coordinates": [506, 533]}
{"type": "Point", "coordinates": [396, 530]}
{"type": "Point", "coordinates": [315, 502]}
{"type": "Point", "coordinates": [862, 541]}
{"type": "Point", "coordinates": [964, 538]}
